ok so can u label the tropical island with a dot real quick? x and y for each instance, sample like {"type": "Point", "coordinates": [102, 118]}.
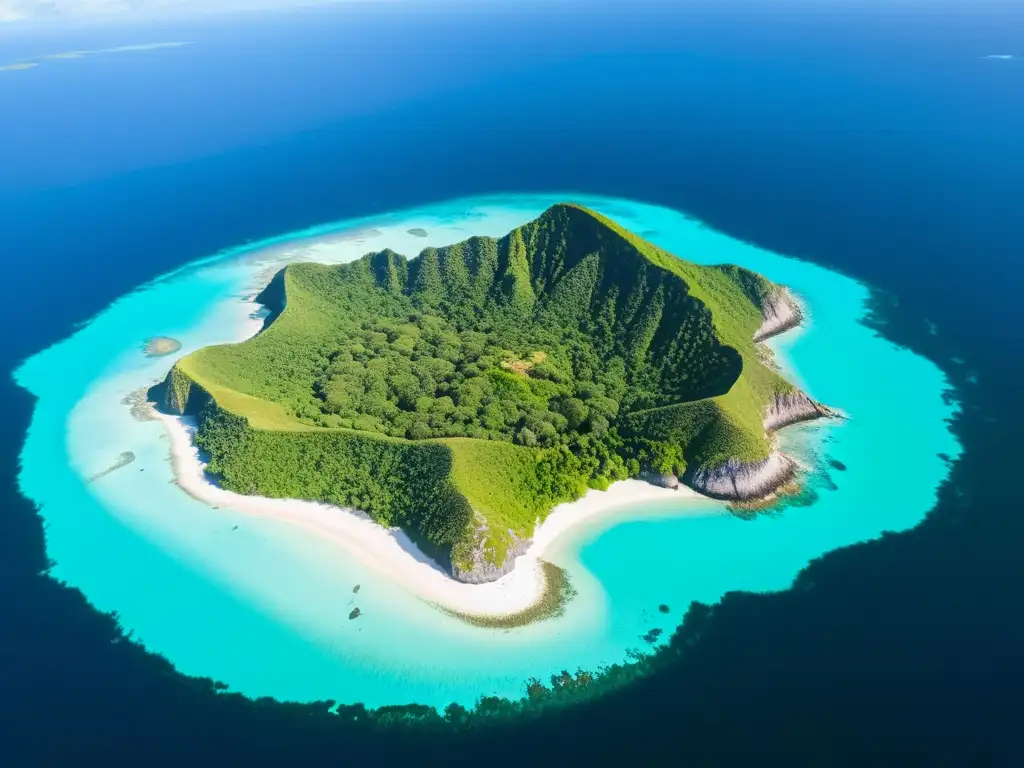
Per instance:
{"type": "Point", "coordinates": [462, 394]}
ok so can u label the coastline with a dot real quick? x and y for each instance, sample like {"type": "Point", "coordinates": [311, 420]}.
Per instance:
{"type": "Point", "coordinates": [760, 483]}
{"type": "Point", "coordinates": [527, 593]}
{"type": "Point", "coordinates": [288, 599]}
{"type": "Point", "coordinates": [530, 588]}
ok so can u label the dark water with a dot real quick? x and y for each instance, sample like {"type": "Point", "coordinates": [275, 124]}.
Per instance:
{"type": "Point", "coordinates": [870, 138]}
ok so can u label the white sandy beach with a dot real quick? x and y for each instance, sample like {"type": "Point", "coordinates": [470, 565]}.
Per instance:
{"type": "Point", "coordinates": [390, 553]}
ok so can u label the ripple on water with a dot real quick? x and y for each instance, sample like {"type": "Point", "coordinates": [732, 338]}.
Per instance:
{"type": "Point", "coordinates": [271, 610]}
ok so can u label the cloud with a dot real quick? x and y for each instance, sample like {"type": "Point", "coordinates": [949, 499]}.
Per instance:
{"type": "Point", "coordinates": [26, 10]}
{"type": "Point", "coordinates": [35, 62]}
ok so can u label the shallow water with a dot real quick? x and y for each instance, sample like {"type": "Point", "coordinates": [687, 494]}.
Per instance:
{"type": "Point", "coordinates": [264, 606]}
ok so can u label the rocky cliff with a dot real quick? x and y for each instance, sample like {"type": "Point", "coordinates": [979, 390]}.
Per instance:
{"type": "Point", "coordinates": [474, 567]}
{"type": "Point", "coordinates": [744, 481]}
{"type": "Point", "coordinates": [781, 312]}
{"type": "Point", "coordinates": [790, 408]}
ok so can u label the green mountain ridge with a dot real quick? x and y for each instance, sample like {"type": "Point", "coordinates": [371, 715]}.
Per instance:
{"type": "Point", "coordinates": [463, 393]}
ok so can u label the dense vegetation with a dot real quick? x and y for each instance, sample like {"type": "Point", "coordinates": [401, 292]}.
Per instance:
{"type": "Point", "coordinates": [490, 377]}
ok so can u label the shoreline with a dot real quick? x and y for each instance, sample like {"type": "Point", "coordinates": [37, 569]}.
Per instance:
{"type": "Point", "coordinates": [533, 589]}
{"type": "Point", "coordinates": [526, 594]}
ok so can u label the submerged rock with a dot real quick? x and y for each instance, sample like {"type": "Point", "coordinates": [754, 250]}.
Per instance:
{"type": "Point", "coordinates": [126, 458]}
{"type": "Point", "coordinates": [158, 346]}
{"type": "Point", "coordinates": [354, 614]}
{"type": "Point", "coordinates": [652, 635]}
{"type": "Point", "coordinates": [139, 405]}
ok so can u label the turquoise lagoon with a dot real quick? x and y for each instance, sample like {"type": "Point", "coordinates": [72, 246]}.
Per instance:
{"type": "Point", "coordinates": [264, 606]}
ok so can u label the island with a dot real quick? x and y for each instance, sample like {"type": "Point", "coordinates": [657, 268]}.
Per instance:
{"type": "Point", "coordinates": [462, 394]}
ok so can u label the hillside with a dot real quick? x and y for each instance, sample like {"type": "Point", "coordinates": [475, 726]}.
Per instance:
{"type": "Point", "coordinates": [465, 392]}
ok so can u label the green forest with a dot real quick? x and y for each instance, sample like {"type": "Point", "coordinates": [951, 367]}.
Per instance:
{"type": "Point", "coordinates": [463, 393]}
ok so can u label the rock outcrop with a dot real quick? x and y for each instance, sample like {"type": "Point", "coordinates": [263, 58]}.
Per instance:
{"type": "Point", "coordinates": [478, 569]}
{"type": "Point", "coordinates": [744, 481]}
{"type": "Point", "coordinates": [661, 479]}
{"type": "Point", "coordinates": [790, 408]}
{"type": "Point", "coordinates": [780, 311]}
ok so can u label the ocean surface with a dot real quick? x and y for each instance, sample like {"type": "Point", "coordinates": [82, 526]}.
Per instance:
{"type": "Point", "coordinates": [868, 155]}
{"type": "Point", "coordinates": [263, 606]}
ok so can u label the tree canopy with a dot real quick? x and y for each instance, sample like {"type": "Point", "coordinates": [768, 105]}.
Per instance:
{"type": "Point", "coordinates": [571, 339]}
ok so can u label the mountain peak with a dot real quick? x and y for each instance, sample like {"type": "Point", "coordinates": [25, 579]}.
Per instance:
{"type": "Point", "coordinates": [575, 213]}
{"type": "Point", "coordinates": [569, 209]}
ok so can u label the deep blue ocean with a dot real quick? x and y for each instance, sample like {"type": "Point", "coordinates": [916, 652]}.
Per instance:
{"type": "Point", "coordinates": [873, 138]}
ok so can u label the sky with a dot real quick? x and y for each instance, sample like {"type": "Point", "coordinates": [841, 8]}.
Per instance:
{"type": "Point", "coordinates": [39, 10]}
{"type": "Point", "coordinates": [56, 10]}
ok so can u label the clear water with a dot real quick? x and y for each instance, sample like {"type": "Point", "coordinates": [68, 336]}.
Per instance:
{"type": "Point", "coordinates": [263, 605]}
